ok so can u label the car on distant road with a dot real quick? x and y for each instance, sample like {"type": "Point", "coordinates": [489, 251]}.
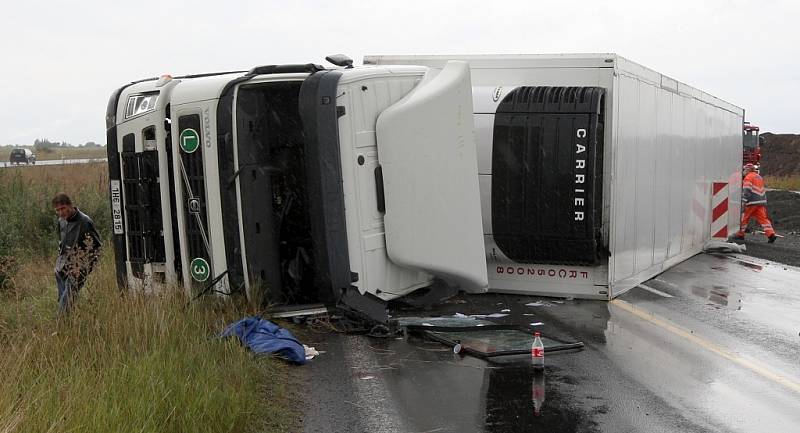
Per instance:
{"type": "Point", "coordinates": [18, 156]}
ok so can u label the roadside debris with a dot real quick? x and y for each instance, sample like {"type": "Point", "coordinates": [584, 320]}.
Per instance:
{"type": "Point", "coordinates": [537, 351]}
{"type": "Point", "coordinates": [724, 247]}
{"type": "Point", "coordinates": [541, 303]}
{"type": "Point", "coordinates": [483, 316]}
{"type": "Point", "coordinates": [482, 338]}
{"type": "Point", "coordinates": [310, 352]}
{"type": "Point", "coordinates": [455, 301]}
{"type": "Point", "coordinates": [299, 311]}
{"type": "Point", "coordinates": [264, 337]}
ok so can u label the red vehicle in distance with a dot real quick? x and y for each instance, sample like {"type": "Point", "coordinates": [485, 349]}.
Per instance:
{"type": "Point", "coordinates": [751, 145]}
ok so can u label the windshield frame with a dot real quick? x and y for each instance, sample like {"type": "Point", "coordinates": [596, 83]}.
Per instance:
{"type": "Point", "coordinates": [750, 138]}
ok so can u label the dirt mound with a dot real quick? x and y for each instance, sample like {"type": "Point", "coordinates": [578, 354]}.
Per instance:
{"type": "Point", "coordinates": [780, 155]}
{"type": "Point", "coordinates": [784, 210]}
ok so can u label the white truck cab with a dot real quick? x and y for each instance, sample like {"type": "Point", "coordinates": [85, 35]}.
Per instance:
{"type": "Point", "coordinates": [297, 184]}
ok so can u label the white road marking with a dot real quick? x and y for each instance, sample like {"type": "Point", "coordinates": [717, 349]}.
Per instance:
{"type": "Point", "coordinates": [756, 367]}
{"type": "Point", "coordinates": [656, 291]}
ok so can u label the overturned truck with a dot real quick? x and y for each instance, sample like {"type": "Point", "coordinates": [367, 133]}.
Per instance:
{"type": "Point", "coordinates": [561, 175]}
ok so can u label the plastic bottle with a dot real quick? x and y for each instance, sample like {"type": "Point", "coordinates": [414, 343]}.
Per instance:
{"type": "Point", "coordinates": [537, 351]}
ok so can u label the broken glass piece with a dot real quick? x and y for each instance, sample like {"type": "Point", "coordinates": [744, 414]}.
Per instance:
{"type": "Point", "coordinates": [487, 343]}
{"type": "Point", "coordinates": [481, 338]}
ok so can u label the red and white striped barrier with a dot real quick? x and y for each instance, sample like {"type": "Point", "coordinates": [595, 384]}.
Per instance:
{"type": "Point", "coordinates": [719, 210]}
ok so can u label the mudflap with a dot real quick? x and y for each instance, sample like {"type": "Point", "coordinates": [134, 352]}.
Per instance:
{"type": "Point", "coordinates": [366, 307]}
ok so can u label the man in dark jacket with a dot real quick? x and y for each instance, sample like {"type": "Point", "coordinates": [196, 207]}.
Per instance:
{"type": "Point", "coordinates": [78, 250]}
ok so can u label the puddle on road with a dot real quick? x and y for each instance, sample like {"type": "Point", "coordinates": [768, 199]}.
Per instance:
{"type": "Point", "coordinates": [719, 296]}
{"type": "Point", "coordinates": [511, 395]}
{"type": "Point", "coordinates": [435, 389]}
{"type": "Point", "coordinates": [523, 399]}
{"type": "Point", "coordinates": [753, 266]}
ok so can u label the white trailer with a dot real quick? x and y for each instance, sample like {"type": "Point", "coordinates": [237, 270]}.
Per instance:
{"type": "Point", "coordinates": [595, 172]}
{"type": "Point", "coordinates": [360, 185]}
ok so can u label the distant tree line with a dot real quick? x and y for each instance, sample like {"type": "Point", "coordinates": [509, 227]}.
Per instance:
{"type": "Point", "coordinates": [47, 145]}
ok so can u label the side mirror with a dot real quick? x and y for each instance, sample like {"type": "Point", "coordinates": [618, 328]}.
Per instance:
{"type": "Point", "coordinates": [340, 60]}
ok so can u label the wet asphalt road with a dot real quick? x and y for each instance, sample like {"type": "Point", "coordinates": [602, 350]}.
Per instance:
{"type": "Point", "coordinates": [784, 250]}
{"type": "Point", "coordinates": [712, 345]}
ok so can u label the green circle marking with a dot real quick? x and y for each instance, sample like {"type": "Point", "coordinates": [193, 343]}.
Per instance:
{"type": "Point", "coordinates": [199, 269]}
{"type": "Point", "coordinates": [189, 140]}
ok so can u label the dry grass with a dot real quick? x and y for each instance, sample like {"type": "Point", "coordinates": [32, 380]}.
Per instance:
{"type": "Point", "coordinates": [129, 363]}
{"type": "Point", "coordinates": [791, 183]}
{"type": "Point", "coordinates": [71, 178]}
{"type": "Point", "coordinates": [28, 221]}
{"type": "Point", "coordinates": [116, 363]}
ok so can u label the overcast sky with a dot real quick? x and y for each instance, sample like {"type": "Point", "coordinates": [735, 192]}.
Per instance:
{"type": "Point", "coordinates": [61, 60]}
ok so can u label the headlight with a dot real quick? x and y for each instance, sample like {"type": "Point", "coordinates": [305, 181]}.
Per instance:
{"type": "Point", "coordinates": [138, 104]}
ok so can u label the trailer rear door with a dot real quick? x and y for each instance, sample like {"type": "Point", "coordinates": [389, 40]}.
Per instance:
{"type": "Point", "coordinates": [429, 169]}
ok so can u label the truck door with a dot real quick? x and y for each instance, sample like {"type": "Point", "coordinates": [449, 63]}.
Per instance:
{"type": "Point", "coordinates": [428, 163]}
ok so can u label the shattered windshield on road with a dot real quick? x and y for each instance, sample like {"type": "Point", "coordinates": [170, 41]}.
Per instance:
{"type": "Point", "coordinates": [481, 338]}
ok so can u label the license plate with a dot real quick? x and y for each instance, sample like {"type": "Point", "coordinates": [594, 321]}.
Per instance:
{"type": "Point", "coordinates": [116, 207]}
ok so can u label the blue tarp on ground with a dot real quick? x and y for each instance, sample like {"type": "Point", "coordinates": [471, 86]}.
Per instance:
{"type": "Point", "coordinates": [263, 337]}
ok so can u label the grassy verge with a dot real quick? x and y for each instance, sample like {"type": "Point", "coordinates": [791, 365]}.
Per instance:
{"type": "Point", "coordinates": [59, 153]}
{"type": "Point", "coordinates": [117, 363]}
{"type": "Point", "coordinates": [28, 227]}
{"type": "Point", "coordinates": [791, 183]}
{"type": "Point", "coordinates": [128, 363]}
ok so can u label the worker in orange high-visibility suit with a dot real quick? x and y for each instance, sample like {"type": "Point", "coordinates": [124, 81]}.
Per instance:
{"type": "Point", "coordinates": [754, 198]}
